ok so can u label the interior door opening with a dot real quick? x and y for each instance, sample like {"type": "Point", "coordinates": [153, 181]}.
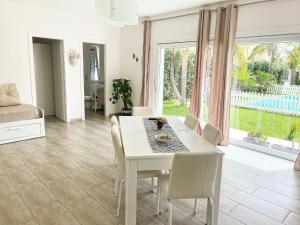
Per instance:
{"type": "Point", "coordinates": [49, 76]}
{"type": "Point", "coordinates": [94, 77]}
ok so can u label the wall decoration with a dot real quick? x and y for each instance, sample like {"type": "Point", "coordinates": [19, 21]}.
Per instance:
{"type": "Point", "coordinates": [74, 57]}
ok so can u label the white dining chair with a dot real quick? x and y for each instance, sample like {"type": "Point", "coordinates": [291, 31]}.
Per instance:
{"type": "Point", "coordinates": [114, 120]}
{"type": "Point", "coordinates": [191, 121]}
{"type": "Point", "coordinates": [142, 111]}
{"type": "Point", "coordinates": [193, 176]}
{"type": "Point", "coordinates": [116, 138]}
{"type": "Point", "coordinates": [211, 134]}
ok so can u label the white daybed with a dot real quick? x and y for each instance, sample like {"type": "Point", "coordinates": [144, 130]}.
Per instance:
{"type": "Point", "coordinates": [18, 121]}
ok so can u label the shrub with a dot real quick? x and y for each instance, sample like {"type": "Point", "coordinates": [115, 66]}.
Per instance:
{"type": "Point", "coordinates": [258, 82]}
{"type": "Point", "coordinates": [278, 71]}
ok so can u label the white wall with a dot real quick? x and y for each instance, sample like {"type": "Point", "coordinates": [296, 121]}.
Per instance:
{"type": "Point", "coordinates": [43, 65]}
{"type": "Point", "coordinates": [132, 44]}
{"type": "Point", "coordinates": [17, 20]}
{"type": "Point", "coordinates": [277, 17]}
{"type": "Point", "coordinates": [59, 86]}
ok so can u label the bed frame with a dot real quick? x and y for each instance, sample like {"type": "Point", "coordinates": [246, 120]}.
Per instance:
{"type": "Point", "coordinates": [22, 130]}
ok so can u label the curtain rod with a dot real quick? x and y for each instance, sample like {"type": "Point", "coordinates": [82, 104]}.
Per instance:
{"type": "Point", "coordinates": [237, 38]}
{"type": "Point", "coordinates": [213, 10]}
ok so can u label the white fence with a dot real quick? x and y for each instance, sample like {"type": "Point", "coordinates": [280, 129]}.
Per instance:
{"type": "Point", "coordinates": [267, 102]}
{"type": "Point", "coordinates": [285, 90]}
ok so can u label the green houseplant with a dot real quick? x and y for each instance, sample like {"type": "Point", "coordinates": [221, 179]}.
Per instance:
{"type": "Point", "coordinates": [121, 91]}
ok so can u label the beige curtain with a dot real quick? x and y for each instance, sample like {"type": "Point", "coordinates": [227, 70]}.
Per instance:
{"type": "Point", "coordinates": [219, 100]}
{"type": "Point", "coordinates": [297, 163]}
{"type": "Point", "coordinates": [201, 63]}
{"type": "Point", "coordinates": [144, 101]}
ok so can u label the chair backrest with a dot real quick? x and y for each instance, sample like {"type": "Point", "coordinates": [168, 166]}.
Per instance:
{"type": "Point", "coordinates": [116, 139]}
{"type": "Point", "coordinates": [191, 122]}
{"type": "Point", "coordinates": [114, 121]}
{"type": "Point", "coordinates": [142, 111]}
{"type": "Point", "coordinates": [193, 175]}
{"type": "Point", "coordinates": [211, 134]}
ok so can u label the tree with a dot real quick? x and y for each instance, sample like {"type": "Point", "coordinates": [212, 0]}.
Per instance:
{"type": "Point", "coordinates": [280, 69]}
{"type": "Point", "coordinates": [240, 66]}
{"type": "Point", "coordinates": [294, 58]}
{"type": "Point", "coordinates": [271, 49]}
{"type": "Point", "coordinates": [191, 72]}
{"type": "Point", "coordinates": [184, 70]}
{"type": "Point", "coordinates": [173, 67]}
{"type": "Point", "coordinates": [294, 61]}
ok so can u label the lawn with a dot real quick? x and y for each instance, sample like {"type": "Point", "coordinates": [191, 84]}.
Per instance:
{"type": "Point", "coordinates": [269, 124]}
{"type": "Point", "coordinates": [172, 108]}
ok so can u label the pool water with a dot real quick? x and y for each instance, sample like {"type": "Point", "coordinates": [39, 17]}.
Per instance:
{"type": "Point", "coordinates": [280, 103]}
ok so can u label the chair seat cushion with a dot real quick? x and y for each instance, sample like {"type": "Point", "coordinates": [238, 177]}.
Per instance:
{"type": "Point", "coordinates": [9, 95]}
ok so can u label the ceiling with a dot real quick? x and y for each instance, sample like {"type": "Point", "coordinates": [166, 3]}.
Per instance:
{"type": "Point", "coordinates": [154, 7]}
{"type": "Point", "coordinates": [146, 7]}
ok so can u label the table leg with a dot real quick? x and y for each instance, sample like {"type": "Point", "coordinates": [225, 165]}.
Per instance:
{"type": "Point", "coordinates": [216, 197]}
{"type": "Point", "coordinates": [131, 192]}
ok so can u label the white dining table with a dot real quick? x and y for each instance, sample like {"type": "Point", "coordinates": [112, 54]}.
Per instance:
{"type": "Point", "coordinates": [139, 157]}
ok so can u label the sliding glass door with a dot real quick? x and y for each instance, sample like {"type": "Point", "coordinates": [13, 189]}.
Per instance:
{"type": "Point", "coordinates": [177, 69]}
{"type": "Point", "coordinates": [265, 93]}
{"type": "Point", "coordinates": [265, 97]}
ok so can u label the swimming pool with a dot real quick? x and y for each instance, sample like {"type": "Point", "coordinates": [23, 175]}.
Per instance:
{"type": "Point", "coordinates": [285, 104]}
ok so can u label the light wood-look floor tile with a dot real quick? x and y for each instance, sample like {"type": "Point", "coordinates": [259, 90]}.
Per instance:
{"type": "Point", "coordinates": [259, 205]}
{"type": "Point", "coordinates": [292, 219]}
{"type": "Point", "coordinates": [13, 211]}
{"type": "Point", "coordinates": [278, 199]}
{"type": "Point", "coordinates": [248, 216]}
{"type": "Point", "coordinates": [66, 178]}
{"type": "Point", "coordinates": [36, 195]}
{"type": "Point", "coordinates": [54, 214]}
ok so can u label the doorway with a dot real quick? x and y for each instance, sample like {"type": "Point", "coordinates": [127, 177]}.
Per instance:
{"type": "Point", "coordinates": [49, 76]}
{"type": "Point", "coordinates": [94, 77]}
{"type": "Point", "coordinates": [175, 75]}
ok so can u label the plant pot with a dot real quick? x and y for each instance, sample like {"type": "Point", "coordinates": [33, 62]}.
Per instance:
{"type": "Point", "coordinates": [126, 112]}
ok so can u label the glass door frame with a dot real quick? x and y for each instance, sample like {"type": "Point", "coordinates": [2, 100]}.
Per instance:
{"type": "Point", "coordinates": [259, 40]}
{"type": "Point", "coordinates": [159, 73]}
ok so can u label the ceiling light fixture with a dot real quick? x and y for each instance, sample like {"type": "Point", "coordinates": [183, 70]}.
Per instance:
{"type": "Point", "coordinates": [122, 12]}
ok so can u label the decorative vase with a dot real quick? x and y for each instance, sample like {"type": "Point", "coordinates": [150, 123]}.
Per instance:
{"type": "Point", "coordinates": [159, 125]}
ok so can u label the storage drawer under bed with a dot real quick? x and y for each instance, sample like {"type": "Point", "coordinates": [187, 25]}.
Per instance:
{"type": "Point", "coordinates": [20, 131]}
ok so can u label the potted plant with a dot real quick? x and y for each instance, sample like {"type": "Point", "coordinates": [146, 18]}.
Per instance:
{"type": "Point", "coordinates": [257, 136]}
{"type": "Point", "coordinates": [122, 91]}
{"type": "Point", "coordinates": [292, 134]}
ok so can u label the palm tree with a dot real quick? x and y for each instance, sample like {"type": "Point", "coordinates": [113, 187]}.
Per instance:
{"type": "Point", "coordinates": [270, 49]}
{"type": "Point", "coordinates": [173, 66]}
{"type": "Point", "coordinates": [294, 61]}
{"type": "Point", "coordinates": [240, 59]}
{"type": "Point", "coordinates": [184, 70]}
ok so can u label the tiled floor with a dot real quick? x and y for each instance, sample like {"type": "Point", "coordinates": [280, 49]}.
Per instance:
{"type": "Point", "coordinates": [66, 179]}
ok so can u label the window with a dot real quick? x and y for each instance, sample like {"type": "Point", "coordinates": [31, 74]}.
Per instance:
{"type": "Point", "coordinates": [94, 64]}
{"type": "Point", "coordinates": [178, 69]}
{"type": "Point", "coordinates": [265, 97]}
